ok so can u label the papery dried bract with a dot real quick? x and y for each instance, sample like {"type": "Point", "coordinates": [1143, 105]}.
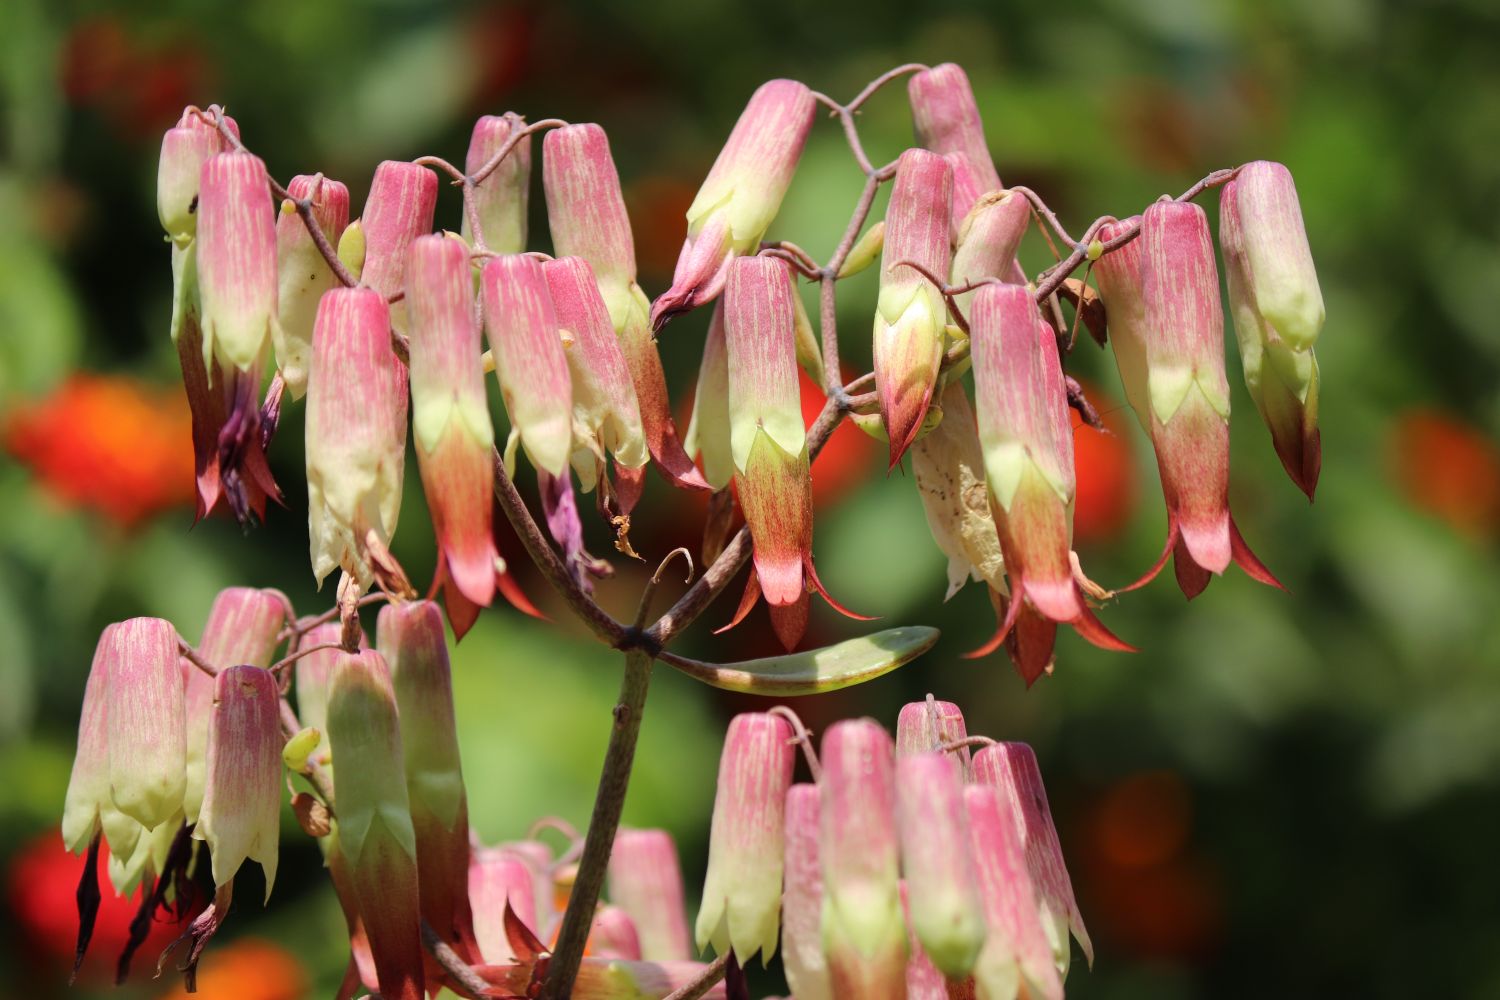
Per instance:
{"type": "Point", "coordinates": [586, 212]}
{"type": "Point", "coordinates": [146, 721]}
{"type": "Point", "coordinates": [1011, 770]}
{"type": "Point", "coordinates": [946, 913]}
{"type": "Point", "coordinates": [948, 466]}
{"type": "Point", "coordinates": [376, 839]}
{"type": "Point", "coordinates": [236, 259]}
{"type": "Point", "coordinates": [911, 316]}
{"type": "Point", "coordinates": [742, 890]}
{"type": "Point", "coordinates": [303, 273]}
{"type": "Point", "coordinates": [741, 194]}
{"type": "Point", "coordinates": [521, 324]}
{"type": "Point", "coordinates": [864, 935]}
{"type": "Point", "coordinates": [410, 638]}
{"type": "Point", "coordinates": [241, 813]}
{"type": "Point", "coordinates": [243, 628]}
{"type": "Point", "coordinates": [450, 417]}
{"type": "Point", "coordinates": [1015, 960]}
{"type": "Point", "coordinates": [1272, 283]}
{"type": "Point", "coordinates": [356, 432]}
{"type": "Point", "coordinates": [645, 880]}
{"type": "Point", "coordinates": [501, 199]}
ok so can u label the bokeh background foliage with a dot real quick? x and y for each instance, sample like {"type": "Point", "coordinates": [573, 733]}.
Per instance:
{"type": "Point", "coordinates": [1284, 795]}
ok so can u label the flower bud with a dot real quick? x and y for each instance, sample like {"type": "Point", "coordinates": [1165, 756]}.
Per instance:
{"type": "Point", "coordinates": [645, 880]}
{"type": "Point", "coordinates": [450, 415]}
{"type": "Point", "coordinates": [243, 627]}
{"type": "Point", "coordinates": [802, 903]}
{"type": "Point", "coordinates": [586, 210]}
{"type": "Point", "coordinates": [742, 890]}
{"type": "Point", "coordinates": [145, 721]}
{"type": "Point", "coordinates": [1188, 396]}
{"type": "Point", "coordinates": [88, 786]}
{"type": "Point", "coordinates": [500, 200]}
{"type": "Point", "coordinates": [924, 726]}
{"type": "Point", "coordinates": [948, 465]}
{"type": "Point", "coordinates": [410, 638]}
{"type": "Point", "coordinates": [356, 444]}
{"type": "Point", "coordinates": [313, 673]}
{"type": "Point", "coordinates": [1015, 960]}
{"type": "Point", "coordinates": [1258, 212]}
{"type": "Point", "coordinates": [866, 251]}
{"type": "Point", "coordinates": [708, 430]}
{"type": "Point", "coordinates": [988, 239]}
{"type": "Point", "coordinates": [741, 194]}
{"type": "Point", "coordinates": [400, 207]}
{"type": "Point", "coordinates": [376, 841]}
{"type": "Point", "coordinates": [521, 324]}
{"type": "Point", "coordinates": [184, 148]}
{"type": "Point", "coordinates": [303, 273]}
{"type": "Point", "coordinates": [911, 315]}
{"type": "Point", "coordinates": [946, 913]}
{"type": "Point", "coordinates": [241, 813]}
{"type": "Point", "coordinates": [499, 878]}
{"type": "Point", "coordinates": [1011, 770]}
{"type": "Point", "coordinates": [1280, 277]}
{"type": "Point", "coordinates": [605, 412]}
{"type": "Point", "coordinates": [1028, 461]}
{"type": "Point", "coordinates": [613, 935]}
{"type": "Point", "coordinates": [864, 936]}
{"type": "Point", "coordinates": [947, 121]}
{"type": "Point", "coordinates": [236, 258]}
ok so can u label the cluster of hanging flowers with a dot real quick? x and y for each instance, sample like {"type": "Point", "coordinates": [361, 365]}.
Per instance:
{"type": "Point", "coordinates": [917, 866]}
{"type": "Point", "coordinates": [909, 867]}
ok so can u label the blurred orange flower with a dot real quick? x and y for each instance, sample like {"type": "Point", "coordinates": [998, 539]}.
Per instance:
{"type": "Point", "coordinates": [247, 969]}
{"type": "Point", "coordinates": [1448, 468]}
{"type": "Point", "coordinates": [109, 443]}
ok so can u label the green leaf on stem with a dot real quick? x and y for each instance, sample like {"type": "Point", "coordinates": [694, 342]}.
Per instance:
{"type": "Point", "coordinates": [814, 671]}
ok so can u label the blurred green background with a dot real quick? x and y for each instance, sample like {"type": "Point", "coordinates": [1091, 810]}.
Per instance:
{"type": "Point", "coordinates": [1283, 795]}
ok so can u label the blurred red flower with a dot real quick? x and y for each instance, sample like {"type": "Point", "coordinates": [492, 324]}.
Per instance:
{"type": "Point", "coordinates": [1106, 472]}
{"type": "Point", "coordinates": [109, 443]}
{"type": "Point", "coordinates": [1448, 468]}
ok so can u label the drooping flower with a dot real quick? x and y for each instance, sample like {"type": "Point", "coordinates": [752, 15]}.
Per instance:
{"type": "Point", "coordinates": [741, 194]}
{"type": "Point", "coordinates": [145, 722]}
{"type": "Point", "coordinates": [1028, 461]}
{"type": "Point", "coordinates": [184, 148]}
{"type": "Point", "coordinates": [802, 901]}
{"type": "Point", "coordinates": [742, 890]}
{"type": "Point", "coordinates": [708, 429]}
{"type": "Point", "coordinates": [586, 211]}
{"type": "Point", "coordinates": [864, 934]}
{"type": "Point", "coordinates": [1011, 770]}
{"type": "Point", "coordinates": [1278, 310]}
{"type": "Point", "coordinates": [988, 238]}
{"type": "Point", "coordinates": [928, 725]}
{"type": "Point", "coordinates": [356, 432]}
{"type": "Point", "coordinates": [410, 638]}
{"type": "Point", "coordinates": [911, 315]}
{"type": "Point", "coordinates": [241, 812]}
{"type": "Point", "coordinates": [645, 880]}
{"type": "Point", "coordinates": [376, 842]}
{"type": "Point", "coordinates": [501, 199]}
{"type": "Point", "coordinates": [1172, 364]}
{"type": "Point", "coordinates": [88, 805]}
{"type": "Point", "coordinates": [947, 122]}
{"type": "Point", "coordinates": [451, 423]}
{"type": "Point", "coordinates": [613, 935]}
{"type": "Point", "coordinates": [1015, 960]}
{"type": "Point", "coordinates": [500, 879]}
{"type": "Point", "coordinates": [303, 273]}
{"type": "Point", "coordinates": [606, 416]}
{"type": "Point", "coordinates": [768, 442]}
{"type": "Point", "coordinates": [242, 629]}
{"type": "Point", "coordinates": [946, 913]}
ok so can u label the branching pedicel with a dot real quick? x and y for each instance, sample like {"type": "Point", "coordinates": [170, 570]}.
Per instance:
{"type": "Point", "coordinates": [377, 319]}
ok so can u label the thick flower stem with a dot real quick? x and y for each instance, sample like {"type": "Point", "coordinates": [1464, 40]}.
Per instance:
{"type": "Point", "coordinates": [609, 801]}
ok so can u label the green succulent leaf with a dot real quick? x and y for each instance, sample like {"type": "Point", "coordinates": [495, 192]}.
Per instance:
{"type": "Point", "coordinates": [814, 671]}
